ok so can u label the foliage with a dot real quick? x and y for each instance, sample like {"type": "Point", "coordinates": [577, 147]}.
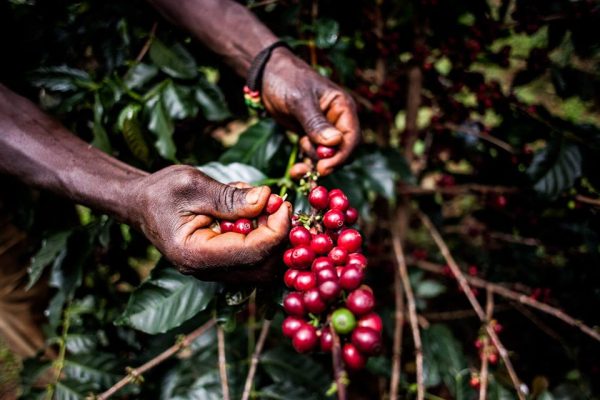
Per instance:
{"type": "Point", "coordinates": [509, 100]}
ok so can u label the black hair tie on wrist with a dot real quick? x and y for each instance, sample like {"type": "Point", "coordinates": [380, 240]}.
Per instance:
{"type": "Point", "coordinates": [255, 75]}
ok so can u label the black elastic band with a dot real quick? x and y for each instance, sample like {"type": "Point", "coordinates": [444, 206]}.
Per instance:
{"type": "Point", "coordinates": [255, 74]}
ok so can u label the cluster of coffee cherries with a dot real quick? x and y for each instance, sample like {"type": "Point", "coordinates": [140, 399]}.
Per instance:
{"type": "Point", "coordinates": [245, 225]}
{"type": "Point", "coordinates": [490, 352]}
{"type": "Point", "coordinates": [325, 274]}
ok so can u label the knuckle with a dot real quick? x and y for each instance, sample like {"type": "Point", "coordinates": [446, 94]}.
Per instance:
{"type": "Point", "coordinates": [225, 198]}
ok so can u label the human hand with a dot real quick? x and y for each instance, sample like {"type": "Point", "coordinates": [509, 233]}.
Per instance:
{"type": "Point", "coordinates": [296, 95]}
{"type": "Point", "coordinates": [176, 207]}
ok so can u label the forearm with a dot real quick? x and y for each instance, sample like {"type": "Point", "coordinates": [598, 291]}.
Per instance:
{"type": "Point", "coordinates": [224, 26]}
{"type": "Point", "coordinates": [41, 152]}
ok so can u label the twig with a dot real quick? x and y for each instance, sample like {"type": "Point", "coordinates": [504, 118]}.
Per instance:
{"type": "Point", "coordinates": [588, 200]}
{"type": "Point", "coordinates": [398, 330]}
{"type": "Point", "coordinates": [516, 296]}
{"type": "Point", "coordinates": [222, 362]}
{"type": "Point", "coordinates": [483, 374]}
{"type": "Point", "coordinates": [59, 363]}
{"type": "Point", "coordinates": [475, 132]}
{"type": "Point", "coordinates": [460, 277]}
{"type": "Point", "coordinates": [147, 44]}
{"type": "Point", "coordinates": [255, 358]}
{"type": "Point", "coordinates": [339, 373]}
{"type": "Point", "coordinates": [412, 311]}
{"type": "Point", "coordinates": [135, 373]}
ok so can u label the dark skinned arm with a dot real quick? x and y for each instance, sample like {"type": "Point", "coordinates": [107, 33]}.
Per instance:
{"type": "Point", "coordinates": [292, 92]}
{"type": "Point", "coordinates": [173, 207]}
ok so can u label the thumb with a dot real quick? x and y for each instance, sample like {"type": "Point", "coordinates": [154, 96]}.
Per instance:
{"type": "Point", "coordinates": [230, 202]}
{"type": "Point", "coordinates": [317, 127]}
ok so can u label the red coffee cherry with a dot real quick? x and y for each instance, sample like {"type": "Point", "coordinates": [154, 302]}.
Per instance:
{"type": "Point", "coordinates": [319, 197]}
{"type": "Point", "coordinates": [333, 219]}
{"type": "Point", "coordinates": [367, 340]}
{"type": "Point", "coordinates": [291, 325]}
{"type": "Point", "coordinates": [357, 260]}
{"type": "Point", "coordinates": [287, 258]}
{"type": "Point", "coordinates": [326, 274]}
{"type": "Point", "coordinates": [474, 382]}
{"type": "Point", "coordinates": [299, 235]}
{"type": "Point", "coordinates": [305, 339]}
{"type": "Point", "coordinates": [313, 301]}
{"type": "Point", "coordinates": [336, 192]}
{"type": "Point", "coordinates": [350, 240]}
{"type": "Point", "coordinates": [352, 357]}
{"type": "Point", "coordinates": [321, 243]}
{"type": "Point", "coordinates": [326, 340]}
{"type": "Point", "coordinates": [325, 152]}
{"type": "Point", "coordinates": [351, 277]}
{"type": "Point", "coordinates": [351, 216]}
{"type": "Point", "coordinates": [321, 263]}
{"type": "Point", "coordinates": [329, 290]}
{"type": "Point", "coordinates": [302, 256]}
{"type": "Point", "coordinates": [293, 304]}
{"type": "Point", "coordinates": [372, 321]}
{"type": "Point", "coordinates": [226, 226]}
{"type": "Point", "coordinates": [338, 255]}
{"type": "Point", "coordinates": [243, 226]}
{"type": "Point", "coordinates": [289, 278]}
{"type": "Point", "coordinates": [305, 280]}
{"type": "Point", "coordinates": [273, 204]}
{"type": "Point", "coordinates": [339, 202]}
{"type": "Point", "coordinates": [361, 301]}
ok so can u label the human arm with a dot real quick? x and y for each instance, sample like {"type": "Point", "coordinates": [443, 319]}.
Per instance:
{"type": "Point", "coordinates": [292, 91]}
{"type": "Point", "coordinates": [173, 207]}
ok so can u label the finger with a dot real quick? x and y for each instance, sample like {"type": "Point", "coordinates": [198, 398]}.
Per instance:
{"type": "Point", "coordinates": [307, 147]}
{"type": "Point", "coordinates": [317, 127]}
{"type": "Point", "coordinates": [240, 185]}
{"type": "Point", "coordinates": [299, 170]}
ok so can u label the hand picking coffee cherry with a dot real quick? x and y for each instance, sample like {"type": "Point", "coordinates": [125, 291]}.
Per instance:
{"type": "Point", "coordinates": [325, 152]}
{"type": "Point", "coordinates": [244, 226]}
{"type": "Point", "coordinates": [325, 273]}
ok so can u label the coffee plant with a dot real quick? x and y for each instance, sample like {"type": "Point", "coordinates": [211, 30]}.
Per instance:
{"type": "Point", "coordinates": [476, 183]}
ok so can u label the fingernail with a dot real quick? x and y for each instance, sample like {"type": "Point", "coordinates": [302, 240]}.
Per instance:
{"type": "Point", "coordinates": [254, 194]}
{"type": "Point", "coordinates": [330, 133]}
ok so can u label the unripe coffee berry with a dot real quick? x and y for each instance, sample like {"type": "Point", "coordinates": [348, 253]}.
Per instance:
{"type": "Point", "coordinates": [343, 321]}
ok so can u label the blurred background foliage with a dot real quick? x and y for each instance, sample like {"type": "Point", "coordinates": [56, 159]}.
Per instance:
{"type": "Point", "coordinates": [482, 113]}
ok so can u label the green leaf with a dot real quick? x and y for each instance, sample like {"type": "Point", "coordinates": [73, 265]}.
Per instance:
{"type": "Point", "coordinates": [429, 288]}
{"type": "Point", "coordinates": [68, 389]}
{"type": "Point", "coordinates": [50, 249]}
{"type": "Point", "coordinates": [140, 74]}
{"type": "Point", "coordinates": [555, 168]}
{"type": "Point", "coordinates": [234, 172]}
{"type": "Point", "coordinates": [98, 369]}
{"type": "Point", "coordinates": [443, 357]}
{"type": "Point", "coordinates": [101, 140]}
{"type": "Point", "coordinates": [60, 78]}
{"type": "Point", "coordinates": [211, 101]}
{"type": "Point", "coordinates": [129, 124]}
{"type": "Point", "coordinates": [256, 146]}
{"type": "Point", "coordinates": [327, 32]}
{"type": "Point", "coordinates": [173, 60]}
{"type": "Point", "coordinates": [166, 300]}
{"type": "Point", "coordinates": [81, 343]}
{"type": "Point", "coordinates": [282, 365]}
{"type": "Point", "coordinates": [179, 101]}
{"type": "Point", "coordinates": [161, 125]}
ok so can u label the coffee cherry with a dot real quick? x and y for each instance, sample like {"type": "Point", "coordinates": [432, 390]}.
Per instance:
{"type": "Point", "coordinates": [305, 280]}
{"type": "Point", "coordinates": [326, 340]}
{"type": "Point", "coordinates": [351, 277]}
{"type": "Point", "coordinates": [329, 290]}
{"type": "Point", "coordinates": [299, 235]}
{"type": "Point", "coordinates": [321, 243]}
{"type": "Point", "coordinates": [327, 274]}
{"type": "Point", "coordinates": [325, 152]}
{"type": "Point", "coordinates": [357, 260]}
{"type": "Point", "coordinates": [372, 321]}
{"type": "Point", "coordinates": [474, 382]}
{"type": "Point", "coordinates": [367, 340]}
{"type": "Point", "coordinates": [226, 226]}
{"type": "Point", "coordinates": [287, 258]}
{"type": "Point", "coordinates": [305, 339]}
{"type": "Point", "coordinates": [339, 202]}
{"type": "Point", "coordinates": [291, 325]}
{"type": "Point", "coordinates": [273, 204]}
{"type": "Point", "coordinates": [360, 301]}
{"type": "Point", "coordinates": [289, 278]}
{"type": "Point", "coordinates": [319, 197]}
{"type": "Point", "coordinates": [338, 255]}
{"type": "Point", "coordinates": [302, 256]}
{"type": "Point", "coordinates": [333, 219]}
{"type": "Point", "coordinates": [493, 358]}
{"type": "Point", "coordinates": [313, 301]}
{"type": "Point", "coordinates": [243, 226]}
{"type": "Point", "coordinates": [351, 216]}
{"type": "Point", "coordinates": [293, 304]}
{"type": "Point", "coordinates": [343, 321]}
{"type": "Point", "coordinates": [321, 263]}
{"type": "Point", "coordinates": [338, 270]}
{"type": "Point", "coordinates": [336, 192]}
{"type": "Point", "coordinates": [350, 240]}
{"type": "Point", "coordinates": [352, 357]}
